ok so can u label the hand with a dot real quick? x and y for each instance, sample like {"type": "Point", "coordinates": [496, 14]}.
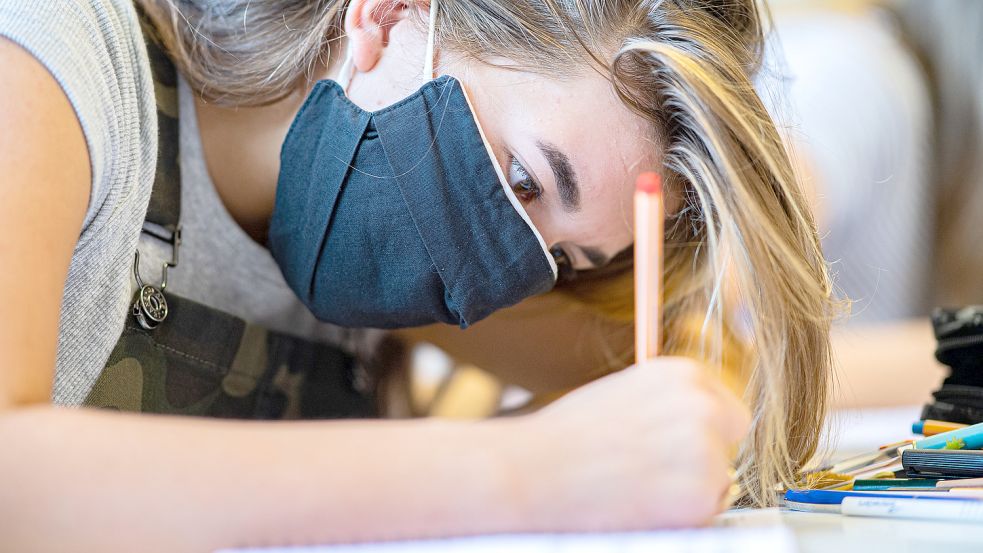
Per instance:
{"type": "Point", "coordinates": [649, 447]}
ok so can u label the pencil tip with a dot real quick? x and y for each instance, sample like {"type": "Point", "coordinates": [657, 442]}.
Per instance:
{"type": "Point", "coordinates": [649, 183]}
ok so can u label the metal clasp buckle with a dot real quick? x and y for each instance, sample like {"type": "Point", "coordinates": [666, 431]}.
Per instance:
{"type": "Point", "coordinates": [150, 305]}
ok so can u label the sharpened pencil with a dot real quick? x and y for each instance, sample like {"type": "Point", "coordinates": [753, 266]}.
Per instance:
{"type": "Point", "coordinates": [649, 229]}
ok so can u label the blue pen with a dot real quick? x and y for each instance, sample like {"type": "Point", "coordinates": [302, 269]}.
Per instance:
{"type": "Point", "coordinates": [971, 437]}
{"type": "Point", "coordinates": [829, 501]}
{"type": "Point", "coordinates": [835, 497]}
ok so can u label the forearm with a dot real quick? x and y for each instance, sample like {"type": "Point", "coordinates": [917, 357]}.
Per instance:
{"type": "Point", "coordinates": [554, 345]}
{"type": "Point", "coordinates": [86, 480]}
{"type": "Point", "coordinates": [890, 364]}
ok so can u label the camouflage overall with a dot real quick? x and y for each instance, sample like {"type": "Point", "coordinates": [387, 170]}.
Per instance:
{"type": "Point", "coordinates": [200, 361]}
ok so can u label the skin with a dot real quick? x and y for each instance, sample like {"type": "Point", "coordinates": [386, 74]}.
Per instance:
{"type": "Point", "coordinates": [885, 365]}
{"type": "Point", "coordinates": [69, 474]}
{"type": "Point", "coordinates": [554, 345]}
{"type": "Point", "coordinates": [582, 117]}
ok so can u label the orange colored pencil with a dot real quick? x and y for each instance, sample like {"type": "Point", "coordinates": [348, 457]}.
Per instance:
{"type": "Point", "coordinates": [649, 229]}
{"type": "Point", "coordinates": [932, 427]}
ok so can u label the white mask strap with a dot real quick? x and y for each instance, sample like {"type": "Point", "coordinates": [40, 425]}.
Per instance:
{"type": "Point", "coordinates": [504, 181]}
{"type": "Point", "coordinates": [428, 68]}
{"type": "Point", "coordinates": [347, 72]}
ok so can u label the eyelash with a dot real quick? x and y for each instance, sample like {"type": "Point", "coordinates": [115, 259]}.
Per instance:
{"type": "Point", "coordinates": [526, 188]}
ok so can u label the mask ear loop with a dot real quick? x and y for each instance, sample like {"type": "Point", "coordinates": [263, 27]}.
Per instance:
{"type": "Point", "coordinates": [428, 71]}
{"type": "Point", "coordinates": [428, 68]}
{"type": "Point", "coordinates": [347, 72]}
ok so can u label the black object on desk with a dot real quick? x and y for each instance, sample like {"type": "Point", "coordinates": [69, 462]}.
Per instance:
{"type": "Point", "coordinates": [960, 346]}
{"type": "Point", "coordinates": [942, 463]}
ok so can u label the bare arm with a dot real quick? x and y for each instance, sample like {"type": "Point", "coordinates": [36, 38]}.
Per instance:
{"type": "Point", "coordinates": [77, 473]}
{"type": "Point", "coordinates": [84, 480]}
{"type": "Point", "coordinates": [546, 344]}
{"type": "Point", "coordinates": [193, 485]}
{"type": "Point", "coordinates": [41, 146]}
{"type": "Point", "coordinates": [890, 364]}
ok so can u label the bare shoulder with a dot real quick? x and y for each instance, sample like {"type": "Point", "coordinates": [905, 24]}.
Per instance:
{"type": "Point", "coordinates": [34, 111]}
{"type": "Point", "coordinates": [44, 189]}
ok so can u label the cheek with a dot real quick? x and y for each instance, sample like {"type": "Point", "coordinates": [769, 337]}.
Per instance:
{"type": "Point", "coordinates": [608, 229]}
{"type": "Point", "coordinates": [611, 233]}
{"type": "Point", "coordinates": [545, 222]}
{"type": "Point", "coordinates": [608, 214]}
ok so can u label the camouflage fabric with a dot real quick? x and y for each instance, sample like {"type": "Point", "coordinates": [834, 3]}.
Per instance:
{"type": "Point", "coordinates": [203, 362]}
{"type": "Point", "coordinates": [165, 201]}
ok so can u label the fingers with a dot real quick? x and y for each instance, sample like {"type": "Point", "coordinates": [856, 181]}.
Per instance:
{"type": "Point", "coordinates": [733, 493]}
{"type": "Point", "coordinates": [670, 452]}
{"type": "Point", "coordinates": [735, 415]}
{"type": "Point", "coordinates": [711, 466]}
{"type": "Point", "coordinates": [709, 397]}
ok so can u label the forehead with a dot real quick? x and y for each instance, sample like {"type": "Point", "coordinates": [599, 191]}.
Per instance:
{"type": "Point", "coordinates": [608, 144]}
{"type": "Point", "coordinates": [580, 112]}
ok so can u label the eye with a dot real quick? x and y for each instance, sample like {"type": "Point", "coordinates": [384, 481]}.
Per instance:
{"type": "Point", "coordinates": [524, 186]}
{"type": "Point", "coordinates": [564, 265]}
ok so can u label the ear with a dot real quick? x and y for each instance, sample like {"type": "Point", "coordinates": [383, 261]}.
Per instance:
{"type": "Point", "coordinates": [368, 24]}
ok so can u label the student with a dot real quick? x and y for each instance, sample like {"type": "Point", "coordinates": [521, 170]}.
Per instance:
{"type": "Point", "coordinates": [546, 91]}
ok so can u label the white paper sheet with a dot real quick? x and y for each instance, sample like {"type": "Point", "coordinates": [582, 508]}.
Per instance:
{"type": "Point", "coordinates": [764, 539]}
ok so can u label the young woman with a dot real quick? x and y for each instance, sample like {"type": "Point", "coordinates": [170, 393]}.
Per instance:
{"type": "Point", "coordinates": [568, 102]}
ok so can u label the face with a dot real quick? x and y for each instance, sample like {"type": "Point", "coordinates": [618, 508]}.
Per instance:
{"type": "Point", "coordinates": [570, 149]}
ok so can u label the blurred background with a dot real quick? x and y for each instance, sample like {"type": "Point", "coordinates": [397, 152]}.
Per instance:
{"type": "Point", "coordinates": [882, 104]}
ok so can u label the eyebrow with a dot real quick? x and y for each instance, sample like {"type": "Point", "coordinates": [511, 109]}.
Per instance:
{"type": "Point", "coordinates": [566, 177]}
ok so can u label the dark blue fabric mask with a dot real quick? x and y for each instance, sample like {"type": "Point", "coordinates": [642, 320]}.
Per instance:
{"type": "Point", "coordinates": [401, 217]}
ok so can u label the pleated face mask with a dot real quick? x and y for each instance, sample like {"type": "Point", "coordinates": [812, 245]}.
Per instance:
{"type": "Point", "coordinates": [401, 217]}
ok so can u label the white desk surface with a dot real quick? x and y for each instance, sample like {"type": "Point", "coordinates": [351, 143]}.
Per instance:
{"type": "Point", "coordinates": [748, 531]}
{"type": "Point", "coordinates": [857, 432]}
{"type": "Point", "coordinates": [810, 532]}
{"type": "Point", "coordinates": [831, 533]}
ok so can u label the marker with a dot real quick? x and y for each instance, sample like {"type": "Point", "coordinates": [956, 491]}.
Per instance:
{"type": "Point", "coordinates": [931, 427]}
{"type": "Point", "coordinates": [961, 483]}
{"type": "Point", "coordinates": [829, 501]}
{"type": "Point", "coordinates": [895, 484]}
{"type": "Point", "coordinates": [836, 497]}
{"type": "Point", "coordinates": [970, 437]}
{"type": "Point", "coordinates": [954, 509]}
{"type": "Point", "coordinates": [649, 235]}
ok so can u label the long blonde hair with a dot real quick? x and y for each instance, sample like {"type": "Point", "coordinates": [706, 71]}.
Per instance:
{"type": "Point", "coordinates": [742, 255]}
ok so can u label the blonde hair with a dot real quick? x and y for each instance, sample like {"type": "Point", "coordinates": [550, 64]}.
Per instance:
{"type": "Point", "coordinates": [742, 255]}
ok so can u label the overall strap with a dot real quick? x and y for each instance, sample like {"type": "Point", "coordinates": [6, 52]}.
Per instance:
{"type": "Point", "coordinates": [203, 361]}
{"type": "Point", "coordinates": [163, 219]}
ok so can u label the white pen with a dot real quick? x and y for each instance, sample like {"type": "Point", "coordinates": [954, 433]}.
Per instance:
{"type": "Point", "coordinates": [951, 509]}
{"type": "Point", "coordinates": [960, 483]}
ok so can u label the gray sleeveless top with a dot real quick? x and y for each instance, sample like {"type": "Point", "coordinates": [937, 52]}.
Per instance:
{"type": "Point", "coordinates": [95, 50]}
